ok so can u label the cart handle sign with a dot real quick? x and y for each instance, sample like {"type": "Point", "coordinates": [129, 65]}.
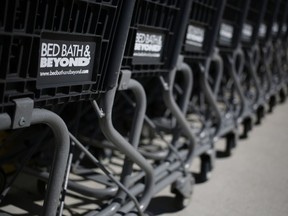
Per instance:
{"type": "Point", "coordinates": [65, 62]}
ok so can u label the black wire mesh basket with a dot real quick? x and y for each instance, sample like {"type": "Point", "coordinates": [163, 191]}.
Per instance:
{"type": "Point", "coordinates": [153, 37]}
{"type": "Point", "coordinates": [252, 22]}
{"type": "Point", "coordinates": [230, 29]}
{"type": "Point", "coordinates": [269, 26]}
{"type": "Point", "coordinates": [202, 28]}
{"type": "Point", "coordinates": [55, 51]}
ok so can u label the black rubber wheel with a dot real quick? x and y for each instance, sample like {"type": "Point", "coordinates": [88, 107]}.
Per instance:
{"type": "Point", "coordinates": [282, 96]}
{"type": "Point", "coordinates": [260, 115]}
{"type": "Point", "coordinates": [247, 125]}
{"type": "Point", "coordinates": [205, 170]}
{"type": "Point", "coordinates": [231, 144]}
{"type": "Point", "coordinates": [272, 104]}
{"type": "Point", "coordinates": [183, 190]}
{"type": "Point", "coordinates": [182, 202]}
{"type": "Point", "coordinates": [245, 132]}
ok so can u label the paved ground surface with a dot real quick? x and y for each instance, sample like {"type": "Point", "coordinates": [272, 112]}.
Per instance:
{"type": "Point", "coordinates": [254, 181]}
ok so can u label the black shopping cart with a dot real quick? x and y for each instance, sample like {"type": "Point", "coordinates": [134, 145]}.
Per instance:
{"type": "Point", "coordinates": [199, 53]}
{"type": "Point", "coordinates": [150, 53]}
{"type": "Point", "coordinates": [279, 29]}
{"type": "Point", "coordinates": [229, 43]}
{"type": "Point", "coordinates": [251, 81]}
{"type": "Point", "coordinates": [266, 48]}
{"type": "Point", "coordinates": [54, 53]}
{"type": "Point", "coordinates": [150, 57]}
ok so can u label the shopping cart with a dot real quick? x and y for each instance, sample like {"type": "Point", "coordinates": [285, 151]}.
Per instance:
{"type": "Point", "coordinates": [150, 53]}
{"type": "Point", "coordinates": [266, 48]}
{"type": "Point", "coordinates": [251, 81]}
{"type": "Point", "coordinates": [199, 53]}
{"type": "Point", "coordinates": [279, 29]}
{"type": "Point", "coordinates": [231, 96]}
{"type": "Point", "coordinates": [54, 53]}
{"type": "Point", "coordinates": [150, 57]}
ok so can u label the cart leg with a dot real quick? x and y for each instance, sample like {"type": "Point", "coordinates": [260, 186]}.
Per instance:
{"type": "Point", "coordinates": [260, 115]}
{"type": "Point", "coordinates": [206, 167]}
{"type": "Point", "coordinates": [183, 190]}
{"type": "Point", "coordinates": [282, 95]}
{"type": "Point", "coordinates": [247, 127]}
{"type": "Point", "coordinates": [56, 177]}
{"type": "Point", "coordinates": [272, 104]}
{"type": "Point", "coordinates": [231, 143]}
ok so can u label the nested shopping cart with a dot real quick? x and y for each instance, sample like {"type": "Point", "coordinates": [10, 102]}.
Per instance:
{"type": "Point", "coordinates": [285, 54]}
{"type": "Point", "coordinates": [198, 50]}
{"type": "Point", "coordinates": [54, 53]}
{"type": "Point", "coordinates": [151, 57]}
{"type": "Point", "coordinates": [279, 29]}
{"type": "Point", "coordinates": [266, 48]}
{"type": "Point", "coordinates": [251, 82]}
{"type": "Point", "coordinates": [229, 39]}
{"type": "Point", "coordinates": [150, 54]}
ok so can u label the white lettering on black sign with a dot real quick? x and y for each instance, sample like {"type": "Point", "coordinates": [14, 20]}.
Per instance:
{"type": "Point", "coordinates": [284, 28]}
{"type": "Point", "coordinates": [247, 32]}
{"type": "Point", "coordinates": [148, 45]}
{"type": "Point", "coordinates": [226, 33]}
{"type": "Point", "coordinates": [64, 62]}
{"type": "Point", "coordinates": [275, 28]}
{"type": "Point", "coordinates": [71, 55]}
{"type": "Point", "coordinates": [262, 30]}
{"type": "Point", "coordinates": [195, 36]}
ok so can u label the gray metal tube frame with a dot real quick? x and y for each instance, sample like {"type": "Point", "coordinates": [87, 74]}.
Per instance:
{"type": "Point", "coordinates": [136, 129]}
{"type": "Point", "coordinates": [187, 86]}
{"type": "Point", "coordinates": [176, 111]}
{"type": "Point", "coordinates": [140, 110]}
{"type": "Point", "coordinates": [185, 98]}
{"type": "Point", "coordinates": [253, 64]}
{"type": "Point", "coordinates": [209, 93]}
{"type": "Point", "coordinates": [81, 189]}
{"type": "Point", "coordinates": [279, 64]}
{"type": "Point", "coordinates": [135, 134]}
{"type": "Point", "coordinates": [231, 60]}
{"type": "Point", "coordinates": [267, 60]}
{"type": "Point", "coordinates": [59, 163]}
{"type": "Point", "coordinates": [126, 148]}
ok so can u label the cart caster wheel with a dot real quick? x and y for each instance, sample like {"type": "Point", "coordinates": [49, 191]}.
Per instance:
{"type": "Point", "coordinates": [231, 143]}
{"type": "Point", "coordinates": [247, 124]}
{"type": "Point", "coordinates": [260, 115]}
{"type": "Point", "coordinates": [3, 180]}
{"type": "Point", "coordinates": [206, 169]}
{"type": "Point", "coordinates": [272, 104]}
{"type": "Point", "coordinates": [183, 190]}
{"type": "Point", "coordinates": [182, 202]}
{"type": "Point", "coordinates": [282, 96]}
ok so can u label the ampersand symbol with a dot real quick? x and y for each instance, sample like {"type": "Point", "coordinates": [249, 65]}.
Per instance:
{"type": "Point", "coordinates": [87, 52]}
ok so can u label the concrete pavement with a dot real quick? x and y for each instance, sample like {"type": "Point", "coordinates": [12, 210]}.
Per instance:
{"type": "Point", "coordinates": [252, 182]}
